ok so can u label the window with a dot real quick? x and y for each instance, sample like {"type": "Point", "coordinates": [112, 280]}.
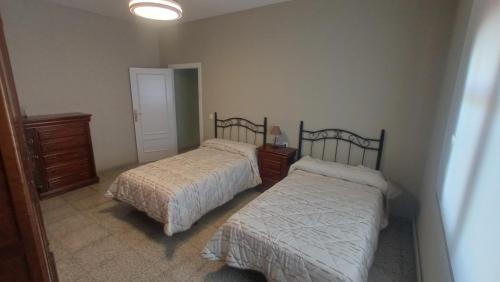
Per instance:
{"type": "Point", "coordinates": [470, 199]}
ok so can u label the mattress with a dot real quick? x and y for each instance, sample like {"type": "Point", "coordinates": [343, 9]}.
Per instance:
{"type": "Point", "coordinates": [178, 191]}
{"type": "Point", "coordinates": [308, 227]}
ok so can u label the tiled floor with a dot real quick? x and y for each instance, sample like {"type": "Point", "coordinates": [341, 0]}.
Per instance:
{"type": "Point", "coordinates": [97, 239]}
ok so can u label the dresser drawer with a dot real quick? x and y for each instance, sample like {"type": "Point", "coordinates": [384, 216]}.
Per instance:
{"type": "Point", "coordinates": [59, 144]}
{"type": "Point", "coordinates": [60, 131]}
{"type": "Point", "coordinates": [59, 182]}
{"type": "Point", "coordinates": [62, 157]}
{"type": "Point", "coordinates": [68, 168]}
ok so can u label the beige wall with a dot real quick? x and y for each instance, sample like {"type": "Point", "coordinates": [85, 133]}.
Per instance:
{"type": "Point", "coordinates": [432, 246]}
{"type": "Point", "coordinates": [359, 65]}
{"type": "Point", "coordinates": [65, 60]}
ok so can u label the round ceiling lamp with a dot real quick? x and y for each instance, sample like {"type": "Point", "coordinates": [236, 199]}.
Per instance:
{"type": "Point", "coordinates": [163, 10]}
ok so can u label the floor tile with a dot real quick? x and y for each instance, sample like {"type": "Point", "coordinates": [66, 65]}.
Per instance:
{"type": "Point", "coordinates": [122, 268]}
{"type": "Point", "coordinates": [58, 249]}
{"type": "Point", "coordinates": [52, 203]}
{"type": "Point", "coordinates": [69, 270]}
{"type": "Point", "coordinates": [152, 275]}
{"type": "Point", "coordinates": [99, 252]}
{"type": "Point", "coordinates": [83, 237]}
{"type": "Point", "coordinates": [58, 214]}
{"type": "Point", "coordinates": [78, 194]}
{"type": "Point", "coordinates": [69, 225]}
{"type": "Point", "coordinates": [93, 200]}
{"type": "Point", "coordinates": [113, 216]}
{"type": "Point", "coordinates": [198, 234]}
{"type": "Point", "coordinates": [108, 208]}
{"type": "Point", "coordinates": [167, 267]}
{"type": "Point", "coordinates": [85, 278]}
{"type": "Point", "coordinates": [184, 271]}
{"type": "Point", "coordinates": [132, 237]}
{"type": "Point", "coordinates": [156, 249]}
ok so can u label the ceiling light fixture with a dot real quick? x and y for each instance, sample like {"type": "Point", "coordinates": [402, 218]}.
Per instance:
{"type": "Point", "coordinates": [163, 10]}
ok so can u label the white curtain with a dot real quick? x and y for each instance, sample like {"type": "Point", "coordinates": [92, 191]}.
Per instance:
{"type": "Point", "coordinates": [470, 198]}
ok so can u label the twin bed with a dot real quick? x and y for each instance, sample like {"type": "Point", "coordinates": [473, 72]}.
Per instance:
{"type": "Point", "coordinates": [178, 191]}
{"type": "Point", "coordinates": [320, 223]}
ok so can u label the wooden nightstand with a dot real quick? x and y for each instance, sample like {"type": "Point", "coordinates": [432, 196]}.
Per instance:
{"type": "Point", "coordinates": [274, 163]}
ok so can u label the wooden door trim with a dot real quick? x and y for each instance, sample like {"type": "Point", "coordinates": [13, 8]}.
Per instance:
{"type": "Point", "coordinates": [13, 154]}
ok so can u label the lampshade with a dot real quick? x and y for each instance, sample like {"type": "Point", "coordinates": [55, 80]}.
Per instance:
{"type": "Point", "coordinates": [275, 130]}
{"type": "Point", "coordinates": [163, 10]}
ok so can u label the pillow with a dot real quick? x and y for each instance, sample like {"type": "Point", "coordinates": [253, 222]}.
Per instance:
{"type": "Point", "coordinates": [394, 190]}
{"type": "Point", "coordinates": [356, 174]}
{"type": "Point", "coordinates": [231, 146]}
{"type": "Point", "coordinates": [240, 148]}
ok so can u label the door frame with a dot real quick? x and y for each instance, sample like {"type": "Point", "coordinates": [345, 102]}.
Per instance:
{"type": "Point", "coordinates": [200, 90]}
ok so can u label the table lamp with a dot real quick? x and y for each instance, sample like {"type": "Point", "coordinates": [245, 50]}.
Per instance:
{"type": "Point", "coordinates": [276, 131]}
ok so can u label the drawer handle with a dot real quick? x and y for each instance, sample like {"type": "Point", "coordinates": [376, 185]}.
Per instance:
{"type": "Point", "coordinates": [136, 115]}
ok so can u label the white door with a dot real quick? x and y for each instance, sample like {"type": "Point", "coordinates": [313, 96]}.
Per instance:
{"type": "Point", "coordinates": [154, 113]}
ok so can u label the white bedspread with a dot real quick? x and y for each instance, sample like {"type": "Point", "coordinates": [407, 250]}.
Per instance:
{"type": "Point", "coordinates": [177, 191]}
{"type": "Point", "coordinates": [308, 227]}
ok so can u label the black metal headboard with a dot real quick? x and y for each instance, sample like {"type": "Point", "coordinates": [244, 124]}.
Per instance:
{"type": "Point", "coordinates": [342, 136]}
{"type": "Point", "coordinates": [242, 125]}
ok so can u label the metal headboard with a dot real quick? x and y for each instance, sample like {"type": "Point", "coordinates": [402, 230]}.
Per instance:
{"type": "Point", "coordinates": [242, 125]}
{"type": "Point", "coordinates": [344, 136]}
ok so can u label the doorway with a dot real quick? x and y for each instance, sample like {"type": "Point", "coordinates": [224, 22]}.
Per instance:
{"type": "Point", "coordinates": [167, 110]}
{"type": "Point", "coordinates": [186, 109]}
{"type": "Point", "coordinates": [188, 103]}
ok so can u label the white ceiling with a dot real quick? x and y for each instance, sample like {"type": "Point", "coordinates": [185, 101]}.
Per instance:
{"type": "Point", "coordinates": [192, 9]}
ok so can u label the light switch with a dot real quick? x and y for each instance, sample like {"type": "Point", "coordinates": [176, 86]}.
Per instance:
{"type": "Point", "coordinates": [211, 116]}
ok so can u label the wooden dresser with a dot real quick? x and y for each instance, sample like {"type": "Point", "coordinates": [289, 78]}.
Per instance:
{"type": "Point", "coordinates": [274, 163]}
{"type": "Point", "coordinates": [61, 149]}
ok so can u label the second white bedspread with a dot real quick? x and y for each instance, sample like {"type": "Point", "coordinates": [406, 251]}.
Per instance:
{"type": "Point", "coordinates": [308, 227]}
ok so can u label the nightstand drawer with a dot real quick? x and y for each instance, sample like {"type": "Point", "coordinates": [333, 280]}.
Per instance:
{"type": "Point", "coordinates": [276, 175]}
{"type": "Point", "coordinates": [272, 165]}
{"type": "Point", "coordinates": [268, 182]}
{"type": "Point", "coordinates": [272, 158]}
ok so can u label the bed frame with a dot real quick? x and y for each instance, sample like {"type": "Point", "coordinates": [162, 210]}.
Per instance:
{"type": "Point", "coordinates": [342, 136]}
{"type": "Point", "coordinates": [240, 124]}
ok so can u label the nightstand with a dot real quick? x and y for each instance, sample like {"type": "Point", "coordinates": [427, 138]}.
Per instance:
{"type": "Point", "coordinates": [274, 163]}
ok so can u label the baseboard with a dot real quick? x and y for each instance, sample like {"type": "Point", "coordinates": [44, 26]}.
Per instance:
{"type": "Point", "coordinates": [417, 252]}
